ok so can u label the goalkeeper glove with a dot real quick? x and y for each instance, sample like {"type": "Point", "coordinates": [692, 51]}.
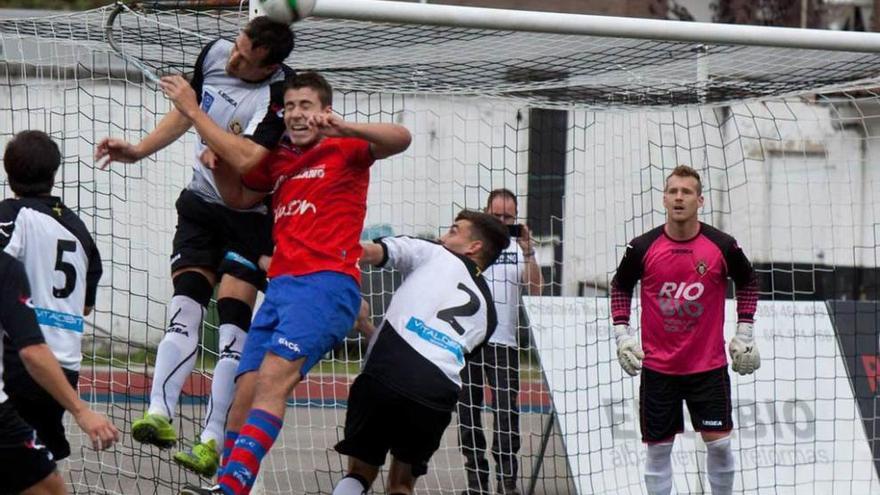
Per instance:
{"type": "Point", "coordinates": [629, 350]}
{"type": "Point", "coordinates": [744, 355]}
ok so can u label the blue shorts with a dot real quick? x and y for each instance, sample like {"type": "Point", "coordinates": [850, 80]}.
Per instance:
{"type": "Point", "coordinates": [302, 316]}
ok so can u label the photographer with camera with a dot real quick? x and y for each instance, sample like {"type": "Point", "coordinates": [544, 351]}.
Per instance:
{"type": "Point", "coordinates": [498, 362]}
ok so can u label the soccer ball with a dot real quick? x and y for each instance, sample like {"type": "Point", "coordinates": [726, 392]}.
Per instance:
{"type": "Point", "coordinates": [287, 11]}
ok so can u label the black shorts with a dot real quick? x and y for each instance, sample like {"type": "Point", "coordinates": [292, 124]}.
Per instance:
{"type": "Point", "coordinates": [212, 236]}
{"type": "Point", "coordinates": [38, 409]}
{"type": "Point", "coordinates": [24, 461]}
{"type": "Point", "coordinates": [707, 395]}
{"type": "Point", "coordinates": [379, 420]}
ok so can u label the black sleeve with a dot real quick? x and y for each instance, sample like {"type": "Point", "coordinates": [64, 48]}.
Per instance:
{"type": "Point", "coordinates": [628, 274]}
{"type": "Point", "coordinates": [630, 269]}
{"type": "Point", "coordinates": [380, 241]}
{"type": "Point", "coordinates": [632, 265]}
{"type": "Point", "coordinates": [17, 317]}
{"type": "Point", "coordinates": [198, 77]}
{"type": "Point", "coordinates": [739, 268]}
{"type": "Point", "coordinates": [93, 275]}
{"type": "Point", "coordinates": [746, 280]}
{"type": "Point", "coordinates": [270, 129]}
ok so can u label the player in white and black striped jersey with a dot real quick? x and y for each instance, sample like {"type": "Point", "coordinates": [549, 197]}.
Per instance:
{"type": "Point", "coordinates": [403, 399]}
{"type": "Point", "coordinates": [26, 465]}
{"type": "Point", "coordinates": [63, 265]}
{"type": "Point", "coordinates": [236, 96]}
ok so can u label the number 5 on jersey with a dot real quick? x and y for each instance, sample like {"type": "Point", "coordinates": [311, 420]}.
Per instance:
{"type": "Point", "coordinates": [69, 271]}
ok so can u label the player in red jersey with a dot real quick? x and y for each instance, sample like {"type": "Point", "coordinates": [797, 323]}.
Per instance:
{"type": "Point", "coordinates": [318, 177]}
{"type": "Point", "coordinates": [684, 266]}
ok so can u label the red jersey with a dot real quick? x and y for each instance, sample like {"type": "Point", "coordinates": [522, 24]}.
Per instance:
{"type": "Point", "coordinates": [684, 284]}
{"type": "Point", "coordinates": [319, 198]}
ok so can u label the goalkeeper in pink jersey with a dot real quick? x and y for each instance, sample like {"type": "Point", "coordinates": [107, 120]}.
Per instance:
{"type": "Point", "coordinates": [684, 266]}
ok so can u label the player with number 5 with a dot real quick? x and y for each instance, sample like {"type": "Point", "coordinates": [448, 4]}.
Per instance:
{"type": "Point", "coordinates": [684, 266]}
{"type": "Point", "coordinates": [63, 266]}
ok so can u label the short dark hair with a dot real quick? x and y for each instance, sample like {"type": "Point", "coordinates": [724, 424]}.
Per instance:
{"type": "Point", "coordinates": [275, 37]}
{"type": "Point", "coordinates": [501, 193]}
{"type": "Point", "coordinates": [488, 230]}
{"type": "Point", "coordinates": [314, 80]}
{"type": "Point", "coordinates": [31, 160]}
{"type": "Point", "coordinates": [685, 171]}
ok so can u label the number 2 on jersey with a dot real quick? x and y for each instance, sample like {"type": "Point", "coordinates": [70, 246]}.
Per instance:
{"type": "Point", "coordinates": [469, 308]}
{"type": "Point", "coordinates": [69, 271]}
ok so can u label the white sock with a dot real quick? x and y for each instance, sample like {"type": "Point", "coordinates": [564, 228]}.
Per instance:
{"type": "Point", "coordinates": [658, 469]}
{"type": "Point", "coordinates": [720, 465]}
{"type": "Point", "coordinates": [350, 486]}
{"type": "Point", "coordinates": [223, 383]}
{"type": "Point", "coordinates": [176, 355]}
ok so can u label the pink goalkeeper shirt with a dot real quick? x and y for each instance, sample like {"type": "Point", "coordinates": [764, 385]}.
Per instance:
{"type": "Point", "coordinates": [684, 284]}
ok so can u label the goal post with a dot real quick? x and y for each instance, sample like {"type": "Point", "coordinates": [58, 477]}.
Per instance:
{"type": "Point", "coordinates": [581, 117]}
{"type": "Point", "coordinates": [385, 11]}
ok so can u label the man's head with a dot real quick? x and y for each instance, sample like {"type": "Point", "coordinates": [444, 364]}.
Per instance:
{"type": "Point", "coordinates": [479, 236]}
{"type": "Point", "coordinates": [259, 49]}
{"type": "Point", "coordinates": [305, 94]}
{"type": "Point", "coordinates": [502, 205]}
{"type": "Point", "coordinates": [31, 160]}
{"type": "Point", "coordinates": [683, 194]}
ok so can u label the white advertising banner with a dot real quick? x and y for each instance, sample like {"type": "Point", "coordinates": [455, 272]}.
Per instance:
{"type": "Point", "coordinates": [797, 428]}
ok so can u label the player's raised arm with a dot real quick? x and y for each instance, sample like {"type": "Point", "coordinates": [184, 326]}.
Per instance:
{"type": "Point", "coordinates": [403, 253]}
{"type": "Point", "coordinates": [257, 55]}
{"type": "Point", "coordinates": [170, 128]}
{"type": "Point", "coordinates": [385, 139]}
{"type": "Point", "coordinates": [240, 153]}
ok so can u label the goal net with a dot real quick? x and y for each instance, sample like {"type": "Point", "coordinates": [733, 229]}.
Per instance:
{"type": "Point", "coordinates": [583, 129]}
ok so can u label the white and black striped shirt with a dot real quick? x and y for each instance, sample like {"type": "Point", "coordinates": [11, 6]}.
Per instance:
{"type": "Point", "coordinates": [252, 109]}
{"type": "Point", "coordinates": [62, 264]}
{"type": "Point", "coordinates": [438, 316]}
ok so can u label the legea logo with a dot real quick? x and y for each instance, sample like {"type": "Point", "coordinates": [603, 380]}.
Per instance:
{"type": "Point", "coordinates": [295, 207]}
{"type": "Point", "coordinates": [681, 299]}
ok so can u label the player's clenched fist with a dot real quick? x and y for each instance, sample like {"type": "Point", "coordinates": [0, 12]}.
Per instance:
{"type": "Point", "coordinates": [629, 350]}
{"type": "Point", "coordinates": [744, 355]}
{"type": "Point", "coordinates": [329, 124]}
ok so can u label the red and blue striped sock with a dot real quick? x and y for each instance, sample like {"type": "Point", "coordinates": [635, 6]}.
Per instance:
{"type": "Point", "coordinates": [254, 441]}
{"type": "Point", "coordinates": [228, 445]}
